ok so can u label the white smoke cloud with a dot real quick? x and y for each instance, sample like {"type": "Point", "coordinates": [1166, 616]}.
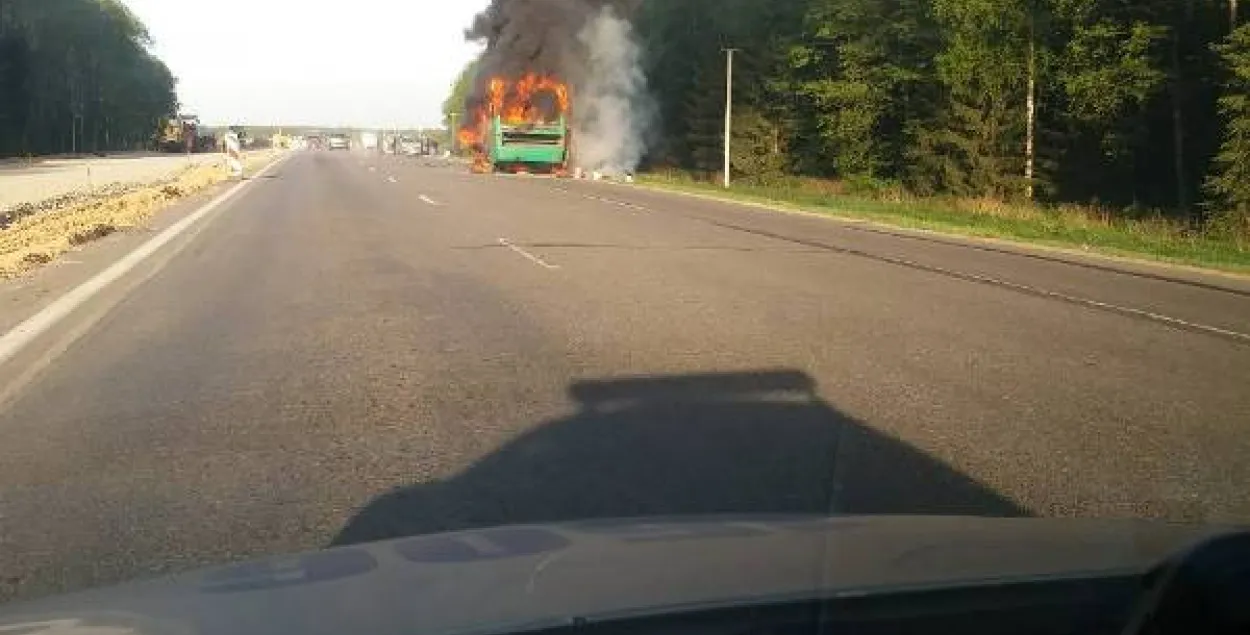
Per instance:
{"type": "Point", "coordinates": [613, 110]}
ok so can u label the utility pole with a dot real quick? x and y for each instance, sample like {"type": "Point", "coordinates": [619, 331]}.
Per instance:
{"type": "Point", "coordinates": [1030, 115]}
{"type": "Point", "coordinates": [729, 106]}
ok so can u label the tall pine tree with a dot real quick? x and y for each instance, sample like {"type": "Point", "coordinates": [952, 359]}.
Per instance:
{"type": "Point", "coordinates": [976, 145]}
{"type": "Point", "coordinates": [1229, 185]}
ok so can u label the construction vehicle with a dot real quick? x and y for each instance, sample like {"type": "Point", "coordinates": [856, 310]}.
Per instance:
{"type": "Point", "coordinates": [180, 134]}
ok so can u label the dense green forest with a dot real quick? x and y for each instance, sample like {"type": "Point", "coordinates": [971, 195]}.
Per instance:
{"type": "Point", "coordinates": [77, 74]}
{"type": "Point", "coordinates": [1141, 106]}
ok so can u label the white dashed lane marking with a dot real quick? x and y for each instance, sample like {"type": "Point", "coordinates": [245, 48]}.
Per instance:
{"type": "Point", "coordinates": [527, 255]}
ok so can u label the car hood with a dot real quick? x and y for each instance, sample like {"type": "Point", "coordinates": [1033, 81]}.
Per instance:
{"type": "Point", "coordinates": [522, 577]}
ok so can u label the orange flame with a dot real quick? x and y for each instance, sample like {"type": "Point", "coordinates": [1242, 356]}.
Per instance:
{"type": "Point", "coordinates": [498, 91]}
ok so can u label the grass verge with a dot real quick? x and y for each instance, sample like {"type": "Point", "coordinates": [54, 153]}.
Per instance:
{"type": "Point", "coordinates": [38, 238]}
{"type": "Point", "coordinates": [1073, 227]}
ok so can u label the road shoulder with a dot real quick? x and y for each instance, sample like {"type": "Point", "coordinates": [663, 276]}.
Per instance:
{"type": "Point", "coordinates": [1179, 272]}
{"type": "Point", "coordinates": [27, 298]}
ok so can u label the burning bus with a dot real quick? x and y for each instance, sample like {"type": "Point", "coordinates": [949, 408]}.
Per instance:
{"type": "Point", "coordinates": [521, 126]}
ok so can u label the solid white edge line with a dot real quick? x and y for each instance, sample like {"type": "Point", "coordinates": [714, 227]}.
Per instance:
{"type": "Point", "coordinates": [1115, 308]}
{"type": "Point", "coordinates": [1036, 291]}
{"type": "Point", "coordinates": [20, 336]}
{"type": "Point", "coordinates": [527, 255]}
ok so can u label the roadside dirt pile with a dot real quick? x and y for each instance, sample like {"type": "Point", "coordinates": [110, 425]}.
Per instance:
{"type": "Point", "coordinates": [33, 235]}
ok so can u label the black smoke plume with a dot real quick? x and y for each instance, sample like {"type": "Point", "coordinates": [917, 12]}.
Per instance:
{"type": "Point", "coordinates": [538, 36]}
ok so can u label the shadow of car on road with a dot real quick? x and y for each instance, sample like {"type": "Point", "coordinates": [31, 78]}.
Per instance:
{"type": "Point", "coordinates": [734, 443]}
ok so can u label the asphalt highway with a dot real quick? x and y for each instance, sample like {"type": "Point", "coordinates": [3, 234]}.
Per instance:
{"type": "Point", "coordinates": [363, 347]}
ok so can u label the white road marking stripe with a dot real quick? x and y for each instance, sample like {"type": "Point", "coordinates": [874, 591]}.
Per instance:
{"type": "Point", "coordinates": [427, 200]}
{"type": "Point", "coordinates": [527, 255]}
{"type": "Point", "coordinates": [23, 334]}
{"type": "Point", "coordinates": [617, 203]}
{"type": "Point", "coordinates": [391, 179]}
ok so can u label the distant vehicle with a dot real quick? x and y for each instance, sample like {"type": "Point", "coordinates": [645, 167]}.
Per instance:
{"type": "Point", "coordinates": [409, 147]}
{"type": "Point", "coordinates": [369, 140]}
{"type": "Point", "coordinates": [339, 142]}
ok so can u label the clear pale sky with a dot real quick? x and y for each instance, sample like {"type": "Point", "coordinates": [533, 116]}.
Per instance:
{"type": "Point", "coordinates": [362, 63]}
